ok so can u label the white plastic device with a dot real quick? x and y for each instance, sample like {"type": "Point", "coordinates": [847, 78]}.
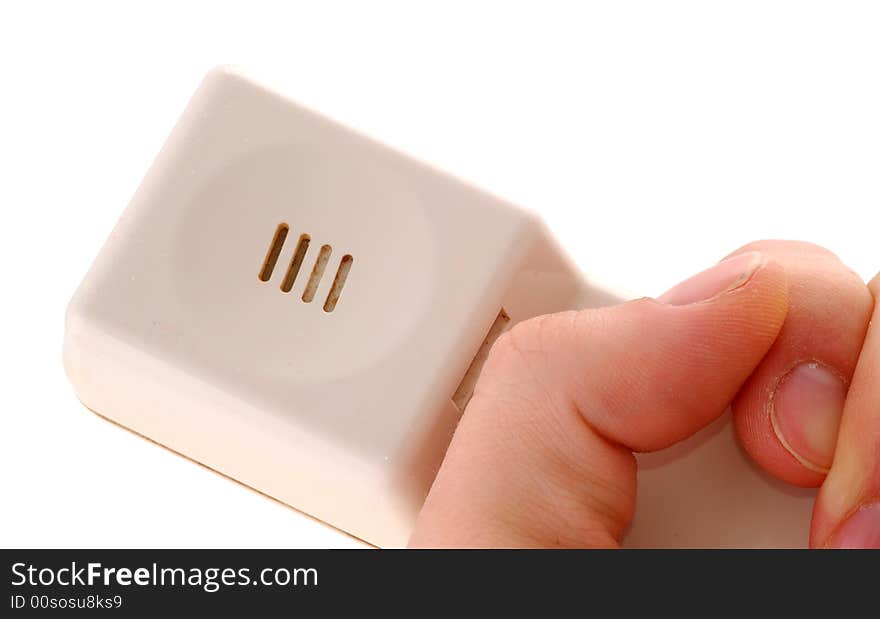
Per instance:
{"type": "Point", "coordinates": [306, 311]}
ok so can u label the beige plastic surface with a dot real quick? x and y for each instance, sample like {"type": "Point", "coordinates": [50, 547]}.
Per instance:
{"type": "Point", "coordinates": [182, 332]}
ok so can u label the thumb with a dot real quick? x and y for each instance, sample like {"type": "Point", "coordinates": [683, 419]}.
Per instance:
{"type": "Point", "coordinates": [543, 454]}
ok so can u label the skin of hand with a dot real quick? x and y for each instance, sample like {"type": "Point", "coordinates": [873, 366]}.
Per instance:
{"type": "Point", "coordinates": [847, 511]}
{"type": "Point", "coordinates": [543, 455]}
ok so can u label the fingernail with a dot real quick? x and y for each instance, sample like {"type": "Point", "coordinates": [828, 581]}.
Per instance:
{"type": "Point", "coordinates": [805, 414]}
{"type": "Point", "coordinates": [860, 530]}
{"type": "Point", "coordinates": [725, 276]}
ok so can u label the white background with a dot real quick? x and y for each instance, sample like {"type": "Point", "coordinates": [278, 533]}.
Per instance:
{"type": "Point", "coordinates": [654, 137]}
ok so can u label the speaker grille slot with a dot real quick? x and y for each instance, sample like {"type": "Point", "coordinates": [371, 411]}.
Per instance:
{"type": "Point", "coordinates": [296, 262]}
{"type": "Point", "coordinates": [317, 273]}
{"type": "Point", "coordinates": [338, 283]}
{"type": "Point", "coordinates": [274, 252]}
{"type": "Point", "coordinates": [465, 389]}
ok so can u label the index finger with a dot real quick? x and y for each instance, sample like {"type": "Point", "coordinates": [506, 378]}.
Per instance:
{"type": "Point", "coordinates": [847, 511]}
{"type": "Point", "coordinates": [787, 414]}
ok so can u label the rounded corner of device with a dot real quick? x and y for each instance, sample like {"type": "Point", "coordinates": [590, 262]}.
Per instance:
{"type": "Point", "coordinates": [219, 77]}
{"type": "Point", "coordinates": [71, 353]}
{"type": "Point", "coordinates": [224, 70]}
{"type": "Point", "coordinates": [74, 358]}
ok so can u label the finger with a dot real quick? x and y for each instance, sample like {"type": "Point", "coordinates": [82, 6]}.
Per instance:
{"type": "Point", "coordinates": [847, 511]}
{"type": "Point", "coordinates": [787, 414]}
{"type": "Point", "coordinates": [543, 454]}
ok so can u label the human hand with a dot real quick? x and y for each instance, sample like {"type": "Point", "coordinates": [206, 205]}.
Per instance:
{"type": "Point", "coordinates": [543, 456]}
